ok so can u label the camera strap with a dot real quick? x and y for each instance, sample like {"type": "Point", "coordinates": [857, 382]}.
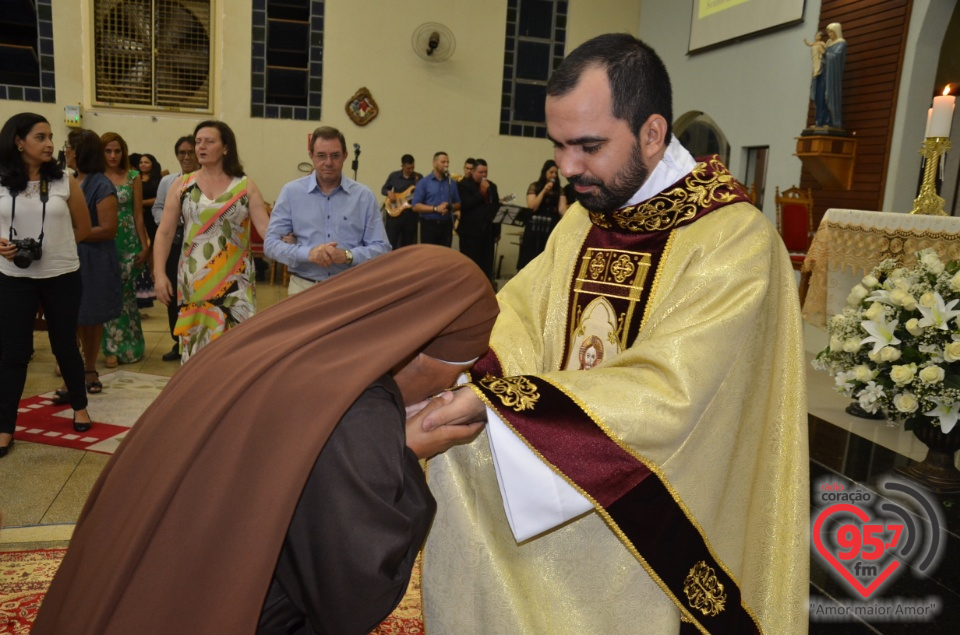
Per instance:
{"type": "Point", "coordinates": [44, 197]}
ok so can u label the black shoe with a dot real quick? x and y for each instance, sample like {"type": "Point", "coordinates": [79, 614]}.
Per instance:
{"type": "Point", "coordinates": [60, 397]}
{"type": "Point", "coordinates": [81, 426]}
{"type": "Point", "coordinates": [5, 449]}
{"type": "Point", "coordinates": [172, 356]}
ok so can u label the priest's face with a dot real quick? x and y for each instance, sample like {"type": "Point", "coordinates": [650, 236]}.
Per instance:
{"type": "Point", "coordinates": [596, 152]}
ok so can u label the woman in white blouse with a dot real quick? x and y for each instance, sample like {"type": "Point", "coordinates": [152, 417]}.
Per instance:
{"type": "Point", "coordinates": [43, 215]}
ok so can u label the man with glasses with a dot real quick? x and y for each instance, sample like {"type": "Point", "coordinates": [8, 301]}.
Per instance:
{"type": "Point", "coordinates": [188, 164]}
{"type": "Point", "coordinates": [325, 222]}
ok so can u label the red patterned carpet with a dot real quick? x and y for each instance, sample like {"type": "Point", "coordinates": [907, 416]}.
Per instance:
{"type": "Point", "coordinates": [25, 575]}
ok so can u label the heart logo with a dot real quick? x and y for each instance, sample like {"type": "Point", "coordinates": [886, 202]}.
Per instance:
{"type": "Point", "coordinates": [851, 540]}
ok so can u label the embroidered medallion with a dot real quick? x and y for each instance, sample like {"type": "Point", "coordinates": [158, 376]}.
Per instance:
{"type": "Point", "coordinates": [606, 291]}
{"type": "Point", "coordinates": [703, 590]}
{"type": "Point", "coordinates": [517, 393]}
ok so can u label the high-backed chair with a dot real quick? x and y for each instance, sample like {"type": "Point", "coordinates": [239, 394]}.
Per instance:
{"type": "Point", "coordinates": [795, 222]}
{"type": "Point", "coordinates": [256, 248]}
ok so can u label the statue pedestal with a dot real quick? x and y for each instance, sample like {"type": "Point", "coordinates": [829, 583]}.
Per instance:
{"type": "Point", "coordinates": [828, 157]}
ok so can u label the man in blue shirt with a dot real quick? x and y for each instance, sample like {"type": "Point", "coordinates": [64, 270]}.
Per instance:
{"type": "Point", "coordinates": [325, 222]}
{"type": "Point", "coordinates": [437, 201]}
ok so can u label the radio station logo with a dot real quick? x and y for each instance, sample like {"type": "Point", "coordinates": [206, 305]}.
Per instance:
{"type": "Point", "coordinates": [867, 540]}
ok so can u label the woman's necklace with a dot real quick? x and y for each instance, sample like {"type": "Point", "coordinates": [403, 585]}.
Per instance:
{"type": "Point", "coordinates": [33, 188]}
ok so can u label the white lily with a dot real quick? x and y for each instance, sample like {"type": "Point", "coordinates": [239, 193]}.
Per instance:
{"type": "Point", "coordinates": [882, 296]}
{"type": "Point", "coordinates": [881, 333]}
{"type": "Point", "coordinates": [948, 413]}
{"type": "Point", "coordinates": [939, 314]}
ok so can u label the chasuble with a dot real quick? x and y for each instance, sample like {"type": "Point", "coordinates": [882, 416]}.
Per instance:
{"type": "Point", "coordinates": [652, 357]}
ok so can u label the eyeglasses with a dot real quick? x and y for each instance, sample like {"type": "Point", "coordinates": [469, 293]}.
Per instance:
{"type": "Point", "coordinates": [333, 156]}
{"type": "Point", "coordinates": [184, 153]}
{"type": "Point", "coordinates": [67, 146]}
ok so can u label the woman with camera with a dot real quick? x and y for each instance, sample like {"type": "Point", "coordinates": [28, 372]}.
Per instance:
{"type": "Point", "coordinates": [42, 217]}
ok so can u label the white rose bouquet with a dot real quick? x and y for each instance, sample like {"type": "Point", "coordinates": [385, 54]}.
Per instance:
{"type": "Point", "coordinates": [896, 346]}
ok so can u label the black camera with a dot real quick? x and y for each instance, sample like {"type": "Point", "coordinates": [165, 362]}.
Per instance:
{"type": "Point", "coordinates": [28, 250]}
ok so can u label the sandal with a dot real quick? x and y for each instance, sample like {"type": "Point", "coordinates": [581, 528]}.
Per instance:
{"type": "Point", "coordinates": [94, 387]}
{"type": "Point", "coordinates": [61, 397]}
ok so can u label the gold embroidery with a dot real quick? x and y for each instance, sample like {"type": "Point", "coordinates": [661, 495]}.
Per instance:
{"type": "Point", "coordinates": [597, 265]}
{"type": "Point", "coordinates": [703, 590]}
{"type": "Point", "coordinates": [613, 274]}
{"type": "Point", "coordinates": [622, 268]}
{"type": "Point", "coordinates": [517, 393]}
{"type": "Point", "coordinates": [708, 184]}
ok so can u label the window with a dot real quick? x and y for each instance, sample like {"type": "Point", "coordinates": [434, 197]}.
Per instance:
{"type": "Point", "coordinates": [536, 33]}
{"type": "Point", "coordinates": [755, 177]}
{"type": "Point", "coordinates": [701, 135]}
{"type": "Point", "coordinates": [26, 51]}
{"type": "Point", "coordinates": [287, 65]}
{"type": "Point", "coordinates": [153, 54]}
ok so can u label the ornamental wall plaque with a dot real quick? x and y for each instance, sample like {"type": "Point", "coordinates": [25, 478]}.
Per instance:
{"type": "Point", "coordinates": [361, 108]}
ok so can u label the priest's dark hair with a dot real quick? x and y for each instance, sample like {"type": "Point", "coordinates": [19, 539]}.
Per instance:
{"type": "Point", "coordinates": [13, 171]}
{"type": "Point", "coordinates": [639, 82]}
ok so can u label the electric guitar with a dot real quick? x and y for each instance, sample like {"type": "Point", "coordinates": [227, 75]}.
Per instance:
{"type": "Point", "coordinates": [396, 203]}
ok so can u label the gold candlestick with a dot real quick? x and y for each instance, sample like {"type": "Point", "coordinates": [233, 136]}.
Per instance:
{"type": "Point", "coordinates": [929, 202]}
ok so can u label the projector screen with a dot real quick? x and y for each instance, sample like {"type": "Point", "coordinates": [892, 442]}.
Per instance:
{"type": "Point", "coordinates": [717, 21]}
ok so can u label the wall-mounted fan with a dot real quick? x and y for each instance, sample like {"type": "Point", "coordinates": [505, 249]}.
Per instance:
{"type": "Point", "coordinates": [171, 41]}
{"type": "Point", "coordinates": [433, 42]}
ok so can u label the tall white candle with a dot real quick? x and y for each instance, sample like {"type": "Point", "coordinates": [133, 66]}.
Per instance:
{"type": "Point", "coordinates": [941, 116]}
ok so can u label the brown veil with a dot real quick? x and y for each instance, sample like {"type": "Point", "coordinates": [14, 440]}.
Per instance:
{"type": "Point", "coordinates": [182, 530]}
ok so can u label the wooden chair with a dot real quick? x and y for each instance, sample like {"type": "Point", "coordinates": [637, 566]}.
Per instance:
{"type": "Point", "coordinates": [272, 268]}
{"type": "Point", "coordinates": [795, 222]}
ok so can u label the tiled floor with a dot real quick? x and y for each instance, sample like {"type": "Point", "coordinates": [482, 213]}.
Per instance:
{"type": "Point", "coordinates": [42, 488]}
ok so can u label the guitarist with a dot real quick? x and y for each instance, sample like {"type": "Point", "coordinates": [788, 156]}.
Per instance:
{"type": "Point", "coordinates": [402, 229]}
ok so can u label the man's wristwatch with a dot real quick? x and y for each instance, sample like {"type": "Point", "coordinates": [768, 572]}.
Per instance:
{"type": "Point", "coordinates": [434, 209]}
{"type": "Point", "coordinates": [349, 256]}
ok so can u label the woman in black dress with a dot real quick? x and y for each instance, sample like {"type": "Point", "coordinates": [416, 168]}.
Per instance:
{"type": "Point", "coordinates": [548, 203]}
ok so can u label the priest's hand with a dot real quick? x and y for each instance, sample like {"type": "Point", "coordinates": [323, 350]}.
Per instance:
{"type": "Point", "coordinates": [429, 443]}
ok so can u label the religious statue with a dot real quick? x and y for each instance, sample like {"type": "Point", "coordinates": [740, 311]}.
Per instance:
{"type": "Point", "coordinates": [826, 89]}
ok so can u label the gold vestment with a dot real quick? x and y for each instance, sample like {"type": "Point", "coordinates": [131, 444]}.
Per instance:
{"type": "Point", "coordinates": [711, 394]}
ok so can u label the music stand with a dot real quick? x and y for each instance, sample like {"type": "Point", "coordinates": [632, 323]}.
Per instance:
{"type": "Point", "coordinates": [511, 215]}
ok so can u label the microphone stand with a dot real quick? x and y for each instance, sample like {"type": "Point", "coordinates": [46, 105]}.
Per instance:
{"type": "Point", "coordinates": [356, 160]}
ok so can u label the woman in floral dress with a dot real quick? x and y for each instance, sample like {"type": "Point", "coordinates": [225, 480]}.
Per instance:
{"type": "Point", "coordinates": [215, 280]}
{"type": "Point", "coordinates": [123, 338]}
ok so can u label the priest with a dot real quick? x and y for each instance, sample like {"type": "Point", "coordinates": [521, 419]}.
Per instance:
{"type": "Point", "coordinates": [663, 488]}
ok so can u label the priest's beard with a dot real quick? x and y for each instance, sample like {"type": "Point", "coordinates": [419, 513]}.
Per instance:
{"type": "Point", "coordinates": [624, 185]}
